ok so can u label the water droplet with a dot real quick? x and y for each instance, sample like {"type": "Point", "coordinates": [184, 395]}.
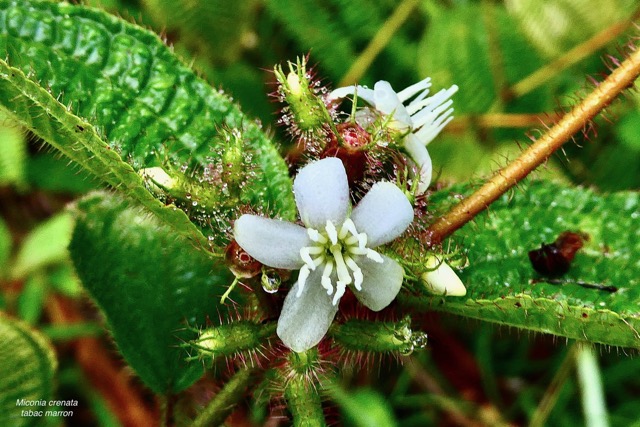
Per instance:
{"type": "Point", "coordinates": [270, 281]}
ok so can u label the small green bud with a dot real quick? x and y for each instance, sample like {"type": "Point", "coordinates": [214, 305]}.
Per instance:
{"type": "Point", "coordinates": [157, 180]}
{"type": "Point", "coordinates": [381, 337]}
{"type": "Point", "coordinates": [306, 110]}
{"type": "Point", "coordinates": [227, 340]}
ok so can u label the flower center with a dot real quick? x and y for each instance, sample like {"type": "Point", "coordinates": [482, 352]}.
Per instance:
{"type": "Point", "coordinates": [335, 250]}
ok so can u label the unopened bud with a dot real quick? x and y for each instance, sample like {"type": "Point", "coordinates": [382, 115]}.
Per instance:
{"type": "Point", "coordinates": [441, 279]}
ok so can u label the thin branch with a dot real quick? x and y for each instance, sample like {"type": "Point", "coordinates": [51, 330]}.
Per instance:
{"type": "Point", "coordinates": [550, 397]}
{"type": "Point", "coordinates": [575, 55]}
{"type": "Point", "coordinates": [219, 408]}
{"type": "Point", "coordinates": [579, 117]}
{"type": "Point", "coordinates": [378, 42]}
{"type": "Point", "coordinates": [500, 120]}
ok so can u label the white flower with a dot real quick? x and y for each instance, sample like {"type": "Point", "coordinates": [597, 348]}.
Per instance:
{"type": "Point", "coordinates": [442, 280]}
{"type": "Point", "coordinates": [333, 250]}
{"type": "Point", "coordinates": [423, 118]}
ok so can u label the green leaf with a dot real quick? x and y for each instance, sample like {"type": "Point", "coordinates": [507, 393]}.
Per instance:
{"type": "Point", "coordinates": [53, 173]}
{"type": "Point", "coordinates": [13, 153]}
{"type": "Point", "coordinates": [32, 298]}
{"type": "Point", "coordinates": [128, 98]}
{"type": "Point", "coordinates": [363, 408]}
{"type": "Point", "coordinates": [45, 245]}
{"type": "Point", "coordinates": [150, 283]}
{"type": "Point", "coordinates": [499, 275]}
{"type": "Point", "coordinates": [27, 368]}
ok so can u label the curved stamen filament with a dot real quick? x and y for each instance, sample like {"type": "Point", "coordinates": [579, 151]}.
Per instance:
{"type": "Point", "coordinates": [341, 267]}
{"type": "Point", "coordinates": [357, 272]}
{"type": "Point", "coordinates": [326, 277]}
{"type": "Point", "coordinates": [332, 232]}
{"type": "Point", "coordinates": [340, 288]}
{"type": "Point", "coordinates": [302, 278]}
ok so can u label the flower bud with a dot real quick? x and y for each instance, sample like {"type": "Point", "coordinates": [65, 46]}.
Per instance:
{"type": "Point", "coordinates": [306, 111]}
{"type": "Point", "coordinates": [441, 279]}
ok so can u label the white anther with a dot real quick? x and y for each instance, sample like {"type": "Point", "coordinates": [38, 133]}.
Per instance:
{"type": "Point", "coordinates": [302, 278]}
{"type": "Point", "coordinates": [341, 267]}
{"type": "Point", "coordinates": [313, 234]}
{"type": "Point", "coordinates": [357, 272]}
{"type": "Point", "coordinates": [340, 288]}
{"type": "Point", "coordinates": [362, 240]}
{"type": "Point", "coordinates": [375, 256]}
{"type": "Point", "coordinates": [305, 254]}
{"type": "Point", "coordinates": [326, 277]}
{"type": "Point", "coordinates": [350, 226]}
{"type": "Point", "coordinates": [332, 232]}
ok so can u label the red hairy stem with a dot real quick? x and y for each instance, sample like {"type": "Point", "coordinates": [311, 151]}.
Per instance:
{"type": "Point", "coordinates": [579, 117]}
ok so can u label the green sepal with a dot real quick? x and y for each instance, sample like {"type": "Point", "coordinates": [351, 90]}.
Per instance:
{"type": "Point", "coordinates": [380, 337]}
{"type": "Point", "coordinates": [230, 339]}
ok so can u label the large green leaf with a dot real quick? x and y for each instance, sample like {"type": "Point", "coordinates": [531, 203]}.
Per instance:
{"type": "Point", "coordinates": [114, 91]}
{"type": "Point", "coordinates": [151, 285]}
{"type": "Point", "coordinates": [499, 276]}
{"type": "Point", "coordinates": [27, 368]}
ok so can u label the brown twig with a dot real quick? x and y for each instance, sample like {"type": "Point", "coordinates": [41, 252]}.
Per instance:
{"type": "Point", "coordinates": [579, 117]}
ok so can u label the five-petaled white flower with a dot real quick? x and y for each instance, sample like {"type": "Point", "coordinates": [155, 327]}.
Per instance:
{"type": "Point", "coordinates": [423, 118]}
{"type": "Point", "coordinates": [333, 250]}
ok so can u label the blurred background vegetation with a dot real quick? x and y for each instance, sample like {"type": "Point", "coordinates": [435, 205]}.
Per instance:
{"type": "Point", "coordinates": [516, 62]}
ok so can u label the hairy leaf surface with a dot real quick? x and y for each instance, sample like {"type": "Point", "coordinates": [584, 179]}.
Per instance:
{"type": "Point", "coordinates": [499, 276]}
{"type": "Point", "coordinates": [151, 285]}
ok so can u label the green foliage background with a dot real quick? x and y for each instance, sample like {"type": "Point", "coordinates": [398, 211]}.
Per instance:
{"type": "Point", "coordinates": [482, 46]}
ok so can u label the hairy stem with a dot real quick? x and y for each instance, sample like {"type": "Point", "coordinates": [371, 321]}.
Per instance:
{"type": "Point", "coordinates": [619, 80]}
{"type": "Point", "coordinates": [219, 408]}
{"type": "Point", "coordinates": [378, 42]}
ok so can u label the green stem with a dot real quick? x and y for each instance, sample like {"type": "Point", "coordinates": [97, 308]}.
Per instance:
{"type": "Point", "coordinates": [575, 55]}
{"type": "Point", "coordinates": [620, 79]}
{"type": "Point", "coordinates": [219, 408]}
{"type": "Point", "coordinates": [304, 402]}
{"type": "Point", "coordinates": [592, 391]}
{"type": "Point", "coordinates": [552, 393]}
{"type": "Point", "coordinates": [378, 42]}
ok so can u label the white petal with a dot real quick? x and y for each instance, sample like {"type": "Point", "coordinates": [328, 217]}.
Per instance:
{"type": "Point", "coordinates": [305, 320]}
{"type": "Point", "coordinates": [362, 92]}
{"type": "Point", "coordinates": [419, 154]}
{"type": "Point", "coordinates": [387, 102]}
{"type": "Point", "coordinates": [383, 214]}
{"type": "Point", "coordinates": [322, 193]}
{"type": "Point", "coordinates": [443, 280]}
{"type": "Point", "coordinates": [272, 242]}
{"type": "Point", "coordinates": [381, 282]}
